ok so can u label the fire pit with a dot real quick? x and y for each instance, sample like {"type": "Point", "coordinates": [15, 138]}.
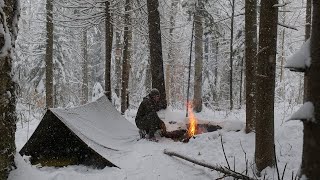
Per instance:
{"type": "Point", "coordinates": [183, 132]}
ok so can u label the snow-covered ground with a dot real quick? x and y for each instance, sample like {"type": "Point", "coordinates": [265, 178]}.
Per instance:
{"type": "Point", "coordinates": [146, 159]}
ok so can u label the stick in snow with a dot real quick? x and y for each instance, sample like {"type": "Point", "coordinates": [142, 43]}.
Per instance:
{"type": "Point", "coordinates": [224, 170]}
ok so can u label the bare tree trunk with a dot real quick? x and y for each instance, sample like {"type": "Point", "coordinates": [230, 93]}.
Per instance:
{"type": "Point", "coordinates": [264, 151]}
{"type": "Point", "coordinates": [156, 50]}
{"type": "Point", "coordinates": [241, 83]}
{"type": "Point", "coordinates": [109, 37]}
{"type": "Point", "coordinates": [169, 66]}
{"type": "Point", "coordinates": [9, 14]}
{"type": "Point", "coordinates": [118, 54]}
{"type": "Point", "coordinates": [126, 57]}
{"type": "Point", "coordinates": [148, 80]}
{"type": "Point", "coordinates": [311, 138]}
{"type": "Point", "coordinates": [167, 79]}
{"type": "Point", "coordinates": [250, 56]}
{"type": "Point", "coordinates": [231, 55]}
{"type": "Point", "coordinates": [49, 56]}
{"type": "Point", "coordinates": [282, 48]}
{"type": "Point", "coordinates": [85, 89]}
{"type": "Point", "coordinates": [307, 36]}
{"type": "Point", "coordinates": [216, 72]}
{"type": "Point", "coordinates": [198, 45]}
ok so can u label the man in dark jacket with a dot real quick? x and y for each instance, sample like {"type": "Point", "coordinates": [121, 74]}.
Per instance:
{"type": "Point", "coordinates": [147, 119]}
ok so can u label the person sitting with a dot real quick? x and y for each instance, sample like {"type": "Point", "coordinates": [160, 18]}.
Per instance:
{"type": "Point", "coordinates": [147, 119]}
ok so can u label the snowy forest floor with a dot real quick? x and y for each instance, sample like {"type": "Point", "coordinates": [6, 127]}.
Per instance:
{"type": "Point", "coordinates": [146, 159]}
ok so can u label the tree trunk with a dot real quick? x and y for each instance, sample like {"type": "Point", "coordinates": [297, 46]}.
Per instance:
{"type": "Point", "coordinates": [231, 56]}
{"type": "Point", "coordinates": [264, 151]}
{"type": "Point", "coordinates": [49, 56]}
{"type": "Point", "coordinates": [198, 45]}
{"type": "Point", "coordinates": [8, 117]}
{"type": "Point", "coordinates": [85, 89]}
{"type": "Point", "coordinates": [283, 49]}
{"type": "Point", "coordinates": [126, 57]}
{"type": "Point", "coordinates": [148, 80]}
{"type": "Point", "coordinates": [167, 79]}
{"type": "Point", "coordinates": [250, 56]}
{"type": "Point", "coordinates": [311, 138]}
{"type": "Point", "coordinates": [307, 36]}
{"type": "Point", "coordinates": [156, 50]}
{"type": "Point", "coordinates": [109, 37]}
{"type": "Point", "coordinates": [169, 67]}
{"type": "Point", "coordinates": [118, 55]}
{"type": "Point", "coordinates": [216, 92]}
{"type": "Point", "coordinates": [241, 83]}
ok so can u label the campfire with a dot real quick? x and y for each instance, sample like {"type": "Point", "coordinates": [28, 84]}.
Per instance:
{"type": "Point", "coordinates": [193, 127]}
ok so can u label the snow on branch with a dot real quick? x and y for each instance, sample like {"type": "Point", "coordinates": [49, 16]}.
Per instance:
{"type": "Point", "coordinates": [305, 113]}
{"type": "Point", "coordinates": [301, 59]}
{"type": "Point", "coordinates": [281, 5]}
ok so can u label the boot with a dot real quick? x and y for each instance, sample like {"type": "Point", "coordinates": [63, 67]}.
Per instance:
{"type": "Point", "coordinates": [142, 133]}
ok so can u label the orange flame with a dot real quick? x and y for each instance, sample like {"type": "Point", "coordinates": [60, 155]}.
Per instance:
{"type": "Point", "coordinates": [192, 121]}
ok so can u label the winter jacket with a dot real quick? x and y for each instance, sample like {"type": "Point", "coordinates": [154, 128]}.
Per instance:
{"type": "Point", "coordinates": [147, 106]}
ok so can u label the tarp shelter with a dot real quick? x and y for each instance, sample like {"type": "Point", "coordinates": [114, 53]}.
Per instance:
{"type": "Point", "coordinates": [89, 135]}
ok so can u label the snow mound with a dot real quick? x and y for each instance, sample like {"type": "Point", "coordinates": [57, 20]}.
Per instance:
{"type": "Point", "coordinates": [232, 125]}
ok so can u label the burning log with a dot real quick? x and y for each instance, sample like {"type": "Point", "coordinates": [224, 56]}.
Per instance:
{"type": "Point", "coordinates": [184, 135]}
{"type": "Point", "coordinates": [224, 170]}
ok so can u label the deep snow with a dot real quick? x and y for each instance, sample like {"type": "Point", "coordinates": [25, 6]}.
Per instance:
{"type": "Point", "coordinates": [147, 161]}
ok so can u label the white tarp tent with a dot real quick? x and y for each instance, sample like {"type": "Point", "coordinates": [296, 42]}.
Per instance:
{"type": "Point", "coordinates": [97, 124]}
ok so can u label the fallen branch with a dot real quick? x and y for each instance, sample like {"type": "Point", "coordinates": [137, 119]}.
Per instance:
{"type": "Point", "coordinates": [224, 170]}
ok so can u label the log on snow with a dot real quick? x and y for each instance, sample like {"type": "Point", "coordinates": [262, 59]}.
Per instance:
{"type": "Point", "coordinates": [221, 169]}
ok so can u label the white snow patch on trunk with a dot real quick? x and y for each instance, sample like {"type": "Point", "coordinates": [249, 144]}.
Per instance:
{"type": "Point", "coordinates": [306, 112]}
{"type": "Point", "coordinates": [301, 59]}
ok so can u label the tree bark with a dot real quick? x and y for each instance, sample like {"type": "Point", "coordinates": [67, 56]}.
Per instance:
{"type": "Point", "coordinates": [85, 87]}
{"type": "Point", "coordinates": [169, 67]}
{"type": "Point", "coordinates": [307, 36]}
{"type": "Point", "coordinates": [118, 55]}
{"type": "Point", "coordinates": [126, 57]}
{"type": "Point", "coordinates": [264, 151]}
{"type": "Point", "coordinates": [156, 50]}
{"type": "Point", "coordinates": [311, 138]}
{"type": "Point", "coordinates": [198, 65]}
{"type": "Point", "coordinates": [8, 117]}
{"type": "Point", "coordinates": [49, 56]}
{"type": "Point", "coordinates": [231, 57]}
{"type": "Point", "coordinates": [250, 56]}
{"type": "Point", "coordinates": [109, 37]}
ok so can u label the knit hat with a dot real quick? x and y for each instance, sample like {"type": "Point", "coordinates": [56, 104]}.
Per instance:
{"type": "Point", "coordinates": [154, 92]}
